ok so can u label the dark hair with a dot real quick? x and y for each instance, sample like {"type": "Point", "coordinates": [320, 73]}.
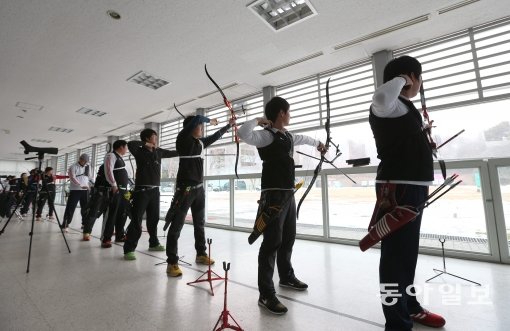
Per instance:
{"type": "Point", "coordinates": [146, 134]}
{"type": "Point", "coordinates": [119, 143]}
{"type": "Point", "coordinates": [274, 106]}
{"type": "Point", "coordinates": [404, 65]}
{"type": "Point", "coordinates": [48, 169]}
{"type": "Point", "coordinates": [187, 120]}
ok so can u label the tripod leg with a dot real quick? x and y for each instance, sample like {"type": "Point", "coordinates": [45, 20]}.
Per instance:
{"type": "Point", "coordinates": [52, 207]}
{"type": "Point", "coordinates": [32, 228]}
{"type": "Point", "coordinates": [439, 274]}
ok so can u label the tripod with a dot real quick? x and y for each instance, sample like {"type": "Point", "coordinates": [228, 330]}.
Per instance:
{"type": "Point", "coordinates": [40, 158]}
{"type": "Point", "coordinates": [208, 272]}
{"type": "Point", "coordinates": [225, 314]}
{"type": "Point", "coordinates": [440, 272]}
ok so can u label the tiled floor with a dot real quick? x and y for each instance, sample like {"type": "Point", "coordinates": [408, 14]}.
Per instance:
{"type": "Point", "coordinates": [95, 289]}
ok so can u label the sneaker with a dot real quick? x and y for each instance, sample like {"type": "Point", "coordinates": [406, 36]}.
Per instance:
{"type": "Point", "coordinates": [38, 219]}
{"type": "Point", "coordinates": [173, 270]}
{"type": "Point", "coordinates": [120, 239]}
{"type": "Point", "coordinates": [158, 248]}
{"type": "Point", "coordinates": [273, 305]}
{"type": "Point", "coordinates": [130, 256]}
{"type": "Point", "coordinates": [429, 319]}
{"type": "Point", "coordinates": [23, 215]}
{"type": "Point", "coordinates": [106, 244]}
{"type": "Point", "coordinates": [86, 237]}
{"type": "Point", "coordinates": [52, 218]}
{"type": "Point", "coordinates": [294, 284]}
{"type": "Point", "coordinates": [204, 259]}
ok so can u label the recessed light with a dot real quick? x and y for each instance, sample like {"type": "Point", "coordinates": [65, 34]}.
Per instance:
{"type": "Point", "coordinates": [113, 14]}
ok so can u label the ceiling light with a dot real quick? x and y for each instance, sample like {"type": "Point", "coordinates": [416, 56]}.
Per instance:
{"type": "Point", "coordinates": [92, 112]}
{"type": "Point", "coordinates": [24, 106]}
{"type": "Point", "coordinates": [282, 13]}
{"type": "Point", "coordinates": [148, 80]}
{"type": "Point", "coordinates": [57, 129]}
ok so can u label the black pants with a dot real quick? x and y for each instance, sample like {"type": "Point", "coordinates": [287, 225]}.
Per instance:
{"type": "Point", "coordinates": [96, 206]}
{"type": "Point", "coordinates": [146, 201]}
{"type": "Point", "coordinates": [29, 200]}
{"type": "Point", "coordinates": [116, 216]}
{"type": "Point", "coordinates": [279, 237]}
{"type": "Point", "coordinates": [75, 196]}
{"type": "Point", "coordinates": [43, 197]}
{"type": "Point", "coordinates": [181, 203]}
{"type": "Point", "coordinates": [399, 255]}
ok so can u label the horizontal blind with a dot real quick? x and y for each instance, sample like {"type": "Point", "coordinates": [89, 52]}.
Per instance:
{"type": "Point", "coordinates": [492, 46]}
{"type": "Point", "coordinates": [61, 165]}
{"type": "Point", "coordinates": [350, 92]}
{"type": "Point", "coordinates": [169, 132]}
{"type": "Point", "coordinates": [303, 97]}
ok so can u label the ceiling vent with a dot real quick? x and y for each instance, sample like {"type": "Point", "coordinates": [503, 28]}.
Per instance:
{"type": "Point", "coordinates": [145, 79]}
{"type": "Point", "coordinates": [149, 116]}
{"type": "Point", "coordinates": [280, 14]}
{"type": "Point", "coordinates": [92, 112]}
{"type": "Point", "coordinates": [286, 65]}
{"type": "Point", "coordinates": [456, 6]}
{"type": "Point", "coordinates": [379, 33]}
{"type": "Point", "coordinates": [28, 106]}
{"type": "Point", "coordinates": [41, 141]}
{"type": "Point", "coordinates": [120, 127]}
{"type": "Point", "coordinates": [54, 128]}
{"type": "Point", "coordinates": [216, 91]}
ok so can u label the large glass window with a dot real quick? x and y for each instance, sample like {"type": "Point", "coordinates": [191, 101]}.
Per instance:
{"type": "Point", "coordinates": [458, 216]}
{"type": "Point", "coordinates": [247, 193]}
{"type": "Point", "coordinates": [504, 182]}
{"type": "Point", "coordinates": [218, 201]}
{"type": "Point", "coordinates": [350, 205]}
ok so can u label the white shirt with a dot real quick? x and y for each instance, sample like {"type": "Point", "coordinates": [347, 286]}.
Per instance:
{"type": "Point", "coordinates": [263, 138]}
{"type": "Point", "coordinates": [77, 176]}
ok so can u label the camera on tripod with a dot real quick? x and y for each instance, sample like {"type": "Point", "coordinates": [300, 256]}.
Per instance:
{"type": "Point", "coordinates": [38, 150]}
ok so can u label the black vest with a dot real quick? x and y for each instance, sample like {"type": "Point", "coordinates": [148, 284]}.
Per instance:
{"type": "Point", "coordinates": [278, 165]}
{"type": "Point", "coordinates": [402, 146]}
{"type": "Point", "coordinates": [119, 173]}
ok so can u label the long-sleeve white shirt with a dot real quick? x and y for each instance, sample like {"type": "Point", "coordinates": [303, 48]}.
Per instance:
{"type": "Point", "coordinates": [263, 138]}
{"type": "Point", "coordinates": [385, 102]}
{"type": "Point", "coordinates": [109, 165]}
{"type": "Point", "coordinates": [77, 176]}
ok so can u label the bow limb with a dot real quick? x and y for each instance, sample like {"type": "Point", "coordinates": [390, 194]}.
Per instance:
{"type": "Point", "coordinates": [315, 174]}
{"type": "Point", "coordinates": [228, 104]}
{"type": "Point", "coordinates": [179, 111]}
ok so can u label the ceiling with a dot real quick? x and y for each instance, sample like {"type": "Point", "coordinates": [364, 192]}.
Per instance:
{"type": "Point", "coordinates": [57, 56]}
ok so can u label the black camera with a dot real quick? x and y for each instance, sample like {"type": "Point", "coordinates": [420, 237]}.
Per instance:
{"type": "Point", "coordinates": [40, 150]}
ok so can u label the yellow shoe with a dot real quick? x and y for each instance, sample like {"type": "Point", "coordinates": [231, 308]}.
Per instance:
{"type": "Point", "coordinates": [204, 259]}
{"type": "Point", "coordinates": [173, 270]}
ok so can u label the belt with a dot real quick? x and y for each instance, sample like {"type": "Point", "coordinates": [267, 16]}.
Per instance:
{"type": "Point", "coordinates": [189, 188]}
{"type": "Point", "coordinates": [144, 188]}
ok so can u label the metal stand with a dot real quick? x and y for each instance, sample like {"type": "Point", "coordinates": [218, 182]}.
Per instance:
{"type": "Point", "coordinates": [225, 314]}
{"type": "Point", "coordinates": [180, 260]}
{"type": "Point", "coordinates": [209, 272]}
{"type": "Point", "coordinates": [441, 272]}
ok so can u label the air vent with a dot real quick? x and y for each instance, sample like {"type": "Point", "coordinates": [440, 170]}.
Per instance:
{"type": "Point", "coordinates": [148, 80]}
{"type": "Point", "coordinates": [28, 106]}
{"type": "Point", "coordinates": [92, 112]}
{"type": "Point", "coordinates": [280, 14]}
{"type": "Point", "coordinates": [286, 65]}
{"type": "Point", "coordinates": [148, 116]}
{"type": "Point", "coordinates": [216, 91]}
{"type": "Point", "coordinates": [41, 141]}
{"type": "Point", "coordinates": [53, 128]}
{"type": "Point", "coordinates": [379, 33]}
{"type": "Point", "coordinates": [120, 127]}
{"type": "Point", "coordinates": [456, 6]}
